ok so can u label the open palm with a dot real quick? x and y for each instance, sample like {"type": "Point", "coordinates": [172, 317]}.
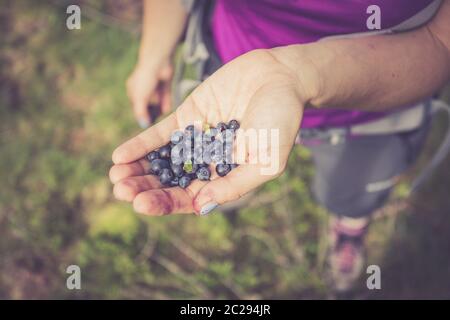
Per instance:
{"type": "Point", "coordinates": [255, 89]}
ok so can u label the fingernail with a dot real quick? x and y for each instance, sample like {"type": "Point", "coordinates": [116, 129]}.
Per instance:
{"type": "Point", "coordinates": [207, 208]}
{"type": "Point", "coordinates": [143, 123]}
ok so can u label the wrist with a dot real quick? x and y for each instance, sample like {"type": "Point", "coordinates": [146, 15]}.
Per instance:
{"type": "Point", "coordinates": [299, 60]}
{"type": "Point", "coordinates": [151, 61]}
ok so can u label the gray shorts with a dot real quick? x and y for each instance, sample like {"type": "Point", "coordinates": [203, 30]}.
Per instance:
{"type": "Point", "coordinates": [354, 176]}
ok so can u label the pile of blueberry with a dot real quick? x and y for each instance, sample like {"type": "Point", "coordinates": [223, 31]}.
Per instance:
{"type": "Point", "coordinates": [190, 153]}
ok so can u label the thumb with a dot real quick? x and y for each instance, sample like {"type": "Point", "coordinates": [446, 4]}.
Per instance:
{"type": "Point", "coordinates": [141, 113]}
{"type": "Point", "coordinates": [237, 183]}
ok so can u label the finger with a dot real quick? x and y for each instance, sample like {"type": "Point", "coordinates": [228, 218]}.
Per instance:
{"type": "Point", "coordinates": [148, 140]}
{"type": "Point", "coordinates": [127, 189]}
{"type": "Point", "coordinates": [122, 171]}
{"type": "Point", "coordinates": [141, 113]}
{"type": "Point", "coordinates": [163, 201]}
{"type": "Point", "coordinates": [229, 188]}
{"type": "Point", "coordinates": [167, 201]}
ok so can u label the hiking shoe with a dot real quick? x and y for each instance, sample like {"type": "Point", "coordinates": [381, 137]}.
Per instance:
{"type": "Point", "coordinates": [346, 255]}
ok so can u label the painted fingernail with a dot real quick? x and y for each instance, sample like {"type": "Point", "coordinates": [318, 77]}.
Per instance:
{"type": "Point", "coordinates": [143, 123]}
{"type": "Point", "coordinates": [207, 208]}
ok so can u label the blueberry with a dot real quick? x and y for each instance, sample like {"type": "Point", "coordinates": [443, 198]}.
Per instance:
{"type": "Point", "coordinates": [228, 136]}
{"type": "Point", "coordinates": [203, 174]}
{"type": "Point", "coordinates": [177, 137]}
{"type": "Point", "coordinates": [192, 176]}
{"type": "Point", "coordinates": [221, 126]}
{"type": "Point", "coordinates": [198, 155]}
{"type": "Point", "coordinates": [233, 125]}
{"type": "Point", "coordinates": [184, 181]}
{"type": "Point", "coordinates": [213, 152]}
{"type": "Point", "coordinates": [228, 152]}
{"type": "Point", "coordinates": [188, 140]}
{"type": "Point", "coordinates": [174, 182]}
{"type": "Point", "coordinates": [210, 135]}
{"type": "Point", "coordinates": [198, 139]}
{"type": "Point", "coordinates": [157, 165]}
{"type": "Point", "coordinates": [222, 169]}
{"type": "Point", "coordinates": [190, 129]}
{"type": "Point", "coordinates": [198, 145]}
{"type": "Point", "coordinates": [164, 151]}
{"type": "Point", "coordinates": [177, 154]}
{"type": "Point", "coordinates": [166, 176]}
{"type": "Point", "coordinates": [216, 151]}
{"type": "Point", "coordinates": [177, 170]}
{"type": "Point", "coordinates": [207, 156]}
{"type": "Point", "coordinates": [152, 156]}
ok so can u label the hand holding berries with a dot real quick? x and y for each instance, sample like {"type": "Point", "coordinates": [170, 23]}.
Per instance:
{"type": "Point", "coordinates": [254, 88]}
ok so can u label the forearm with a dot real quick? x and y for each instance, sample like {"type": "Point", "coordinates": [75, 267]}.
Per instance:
{"type": "Point", "coordinates": [373, 73]}
{"type": "Point", "coordinates": [163, 24]}
{"type": "Point", "coordinates": [379, 73]}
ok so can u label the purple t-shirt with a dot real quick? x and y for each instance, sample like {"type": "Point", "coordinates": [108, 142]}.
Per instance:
{"type": "Point", "coordinates": [239, 26]}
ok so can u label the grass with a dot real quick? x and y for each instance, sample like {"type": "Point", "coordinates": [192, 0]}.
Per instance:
{"type": "Point", "coordinates": [63, 109]}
